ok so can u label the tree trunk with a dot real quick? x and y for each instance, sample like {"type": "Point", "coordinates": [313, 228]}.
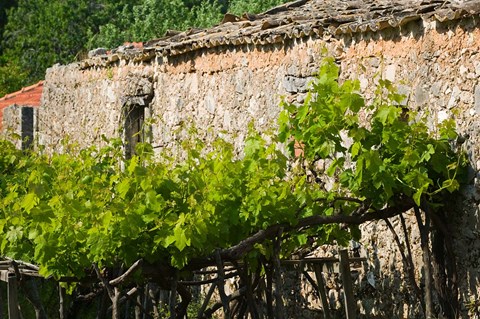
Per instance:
{"type": "Point", "coordinates": [116, 304]}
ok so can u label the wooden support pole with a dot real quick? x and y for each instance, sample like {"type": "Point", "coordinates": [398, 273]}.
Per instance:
{"type": "Point", "coordinates": [207, 300]}
{"type": "Point", "coordinates": [221, 285]}
{"type": "Point", "coordinates": [116, 303]}
{"type": "Point", "coordinates": [1, 301]}
{"type": "Point", "coordinates": [279, 308]}
{"type": "Point", "coordinates": [268, 291]}
{"type": "Point", "coordinates": [321, 291]}
{"type": "Point", "coordinates": [173, 297]}
{"type": "Point", "coordinates": [350, 303]}
{"type": "Point", "coordinates": [138, 306]}
{"type": "Point", "coordinates": [13, 307]}
{"type": "Point", "coordinates": [61, 302]}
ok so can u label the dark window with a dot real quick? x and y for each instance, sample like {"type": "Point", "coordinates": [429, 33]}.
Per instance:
{"type": "Point", "coordinates": [27, 115]}
{"type": "Point", "coordinates": [134, 128]}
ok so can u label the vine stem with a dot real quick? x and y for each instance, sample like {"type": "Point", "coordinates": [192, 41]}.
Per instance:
{"type": "Point", "coordinates": [221, 285]}
{"type": "Point", "coordinates": [410, 258]}
{"type": "Point", "coordinates": [450, 293]}
{"type": "Point", "coordinates": [120, 279]}
{"type": "Point", "coordinates": [173, 296]}
{"type": "Point", "coordinates": [236, 251]}
{"type": "Point", "coordinates": [424, 242]}
{"type": "Point", "coordinates": [406, 260]}
{"type": "Point", "coordinates": [279, 309]}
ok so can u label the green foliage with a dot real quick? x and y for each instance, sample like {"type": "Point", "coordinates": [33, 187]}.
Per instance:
{"type": "Point", "coordinates": [37, 34]}
{"type": "Point", "coordinates": [67, 211]}
{"type": "Point", "coordinates": [154, 17]}
{"type": "Point", "coordinates": [113, 24]}
{"type": "Point", "coordinates": [4, 6]}
{"type": "Point", "coordinates": [12, 76]}
{"type": "Point", "coordinates": [388, 154]}
{"type": "Point", "coordinates": [41, 33]}
{"type": "Point", "coordinates": [252, 6]}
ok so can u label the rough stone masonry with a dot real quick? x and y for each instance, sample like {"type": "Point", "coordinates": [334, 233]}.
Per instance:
{"type": "Point", "coordinates": [224, 77]}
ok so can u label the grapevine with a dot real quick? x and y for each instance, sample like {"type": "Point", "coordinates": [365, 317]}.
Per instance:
{"type": "Point", "coordinates": [78, 213]}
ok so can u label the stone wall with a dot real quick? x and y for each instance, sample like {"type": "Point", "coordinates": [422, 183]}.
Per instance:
{"type": "Point", "coordinates": [86, 104]}
{"type": "Point", "coordinates": [220, 90]}
{"type": "Point", "coordinates": [435, 64]}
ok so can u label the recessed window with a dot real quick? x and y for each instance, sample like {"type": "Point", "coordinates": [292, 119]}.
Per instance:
{"type": "Point", "coordinates": [134, 128]}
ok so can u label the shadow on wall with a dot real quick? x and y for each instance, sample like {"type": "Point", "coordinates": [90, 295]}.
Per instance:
{"type": "Point", "coordinates": [466, 221]}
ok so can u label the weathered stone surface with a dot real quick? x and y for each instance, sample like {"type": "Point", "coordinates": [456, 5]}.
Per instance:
{"type": "Point", "coordinates": [97, 52]}
{"type": "Point", "coordinates": [293, 84]}
{"type": "Point", "coordinates": [477, 99]}
{"type": "Point", "coordinates": [19, 121]}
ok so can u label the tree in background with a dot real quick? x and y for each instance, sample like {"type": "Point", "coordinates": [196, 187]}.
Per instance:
{"type": "Point", "coordinates": [12, 76]}
{"type": "Point", "coordinates": [37, 34]}
{"type": "Point", "coordinates": [4, 6]}
{"type": "Point", "coordinates": [43, 32]}
{"type": "Point", "coordinates": [252, 6]}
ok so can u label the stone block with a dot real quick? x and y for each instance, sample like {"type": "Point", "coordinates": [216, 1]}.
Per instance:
{"type": "Point", "coordinates": [97, 52]}
{"type": "Point", "coordinates": [210, 103]}
{"type": "Point", "coordinates": [477, 98]}
{"type": "Point", "coordinates": [390, 72]}
{"type": "Point", "coordinates": [293, 84]}
{"type": "Point", "coordinates": [421, 96]}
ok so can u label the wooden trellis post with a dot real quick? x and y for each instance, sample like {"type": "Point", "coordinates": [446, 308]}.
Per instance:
{"type": "Point", "coordinates": [12, 295]}
{"type": "Point", "coordinates": [350, 303]}
{"type": "Point", "coordinates": [321, 291]}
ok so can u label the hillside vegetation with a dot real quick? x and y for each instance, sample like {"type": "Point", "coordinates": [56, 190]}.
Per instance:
{"type": "Point", "coordinates": [37, 34]}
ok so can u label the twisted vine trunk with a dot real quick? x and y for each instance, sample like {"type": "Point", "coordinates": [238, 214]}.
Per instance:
{"type": "Point", "coordinates": [440, 264]}
{"type": "Point", "coordinates": [444, 267]}
{"type": "Point", "coordinates": [424, 229]}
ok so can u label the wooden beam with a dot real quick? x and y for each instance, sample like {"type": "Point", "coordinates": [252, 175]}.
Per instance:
{"type": "Point", "coordinates": [322, 292]}
{"type": "Point", "coordinates": [4, 275]}
{"type": "Point", "coordinates": [13, 307]}
{"type": "Point", "coordinates": [350, 303]}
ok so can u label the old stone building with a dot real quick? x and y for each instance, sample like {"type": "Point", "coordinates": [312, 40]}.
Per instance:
{"type": "Point", "coordinates": [224, 77]}
{"type": "Point", "coordinates": [17, 113]}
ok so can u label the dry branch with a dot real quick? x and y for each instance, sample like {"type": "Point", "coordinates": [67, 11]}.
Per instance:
{"type": "Point", "coordinates": [120, 279]}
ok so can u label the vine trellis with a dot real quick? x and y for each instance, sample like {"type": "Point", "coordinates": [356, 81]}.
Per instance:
{"type": "Point", "coordinates": [16, 274]}
{"type": "Point", "coordinates": [92, 215]}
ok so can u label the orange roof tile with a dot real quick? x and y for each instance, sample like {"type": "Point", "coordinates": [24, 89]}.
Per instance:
{"type": "Point", "coordinates": [28, 96]}
{"type": "Point", "coordinates": [137, 45]}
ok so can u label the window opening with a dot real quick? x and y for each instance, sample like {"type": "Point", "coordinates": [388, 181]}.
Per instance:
{"type": "Point", "coordinates": [134, 128]}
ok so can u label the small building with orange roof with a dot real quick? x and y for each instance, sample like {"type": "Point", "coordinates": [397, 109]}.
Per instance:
{"type": "Point", "coordinates": [17, 113]}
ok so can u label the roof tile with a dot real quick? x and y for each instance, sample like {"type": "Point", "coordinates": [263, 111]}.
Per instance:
{"type": "Point", "coordinates": [297, 19]}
